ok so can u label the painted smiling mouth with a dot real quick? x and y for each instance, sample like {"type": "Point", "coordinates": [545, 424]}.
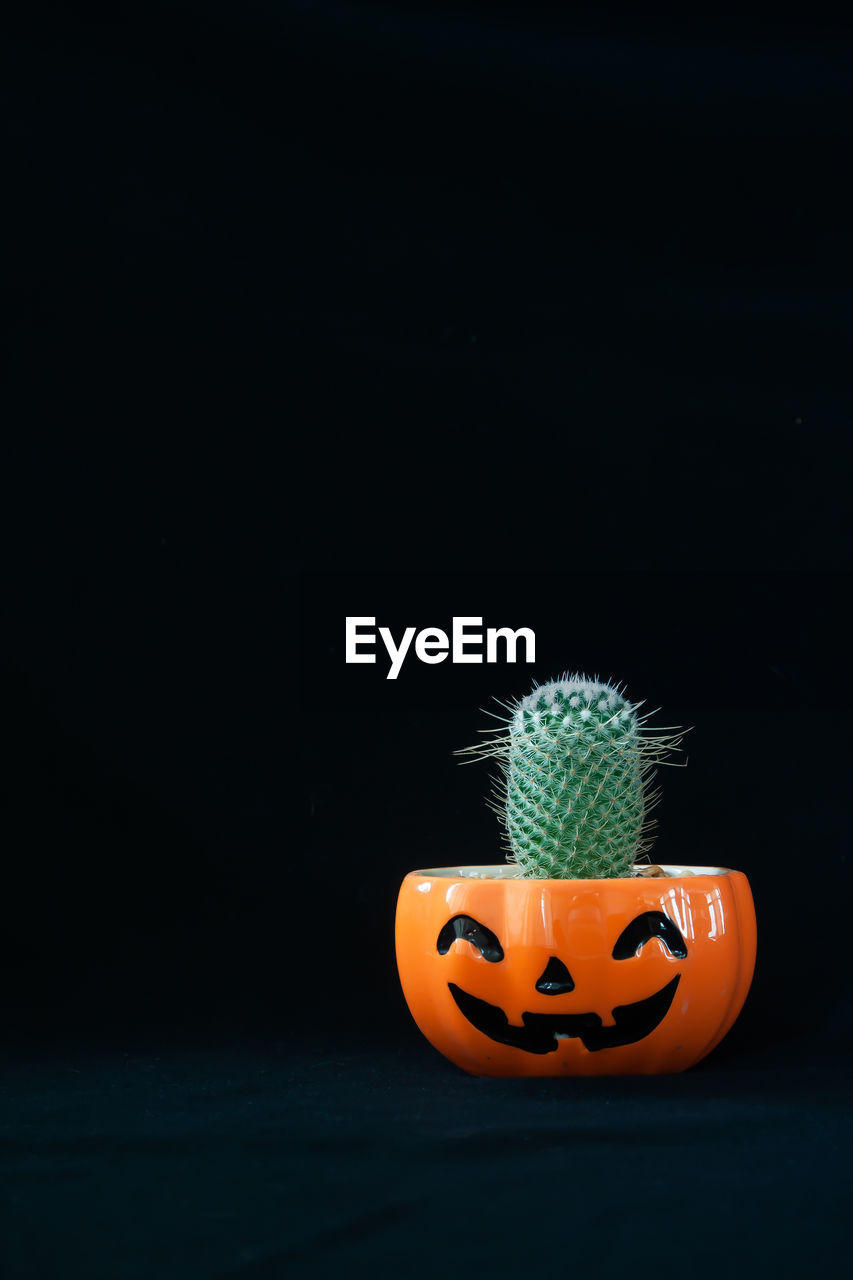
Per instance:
{"type": "Point", "coordinates": [542, 1032]}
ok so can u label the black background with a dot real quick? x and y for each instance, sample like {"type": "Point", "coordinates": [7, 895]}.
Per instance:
{"type": "Point", "coordinates": [317, 310]}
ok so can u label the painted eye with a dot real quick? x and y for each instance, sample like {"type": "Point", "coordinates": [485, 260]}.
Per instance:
{"type": "Point", "coordinates": [470, 930]}
{"type": "Point", "coordinates": [651, 924]}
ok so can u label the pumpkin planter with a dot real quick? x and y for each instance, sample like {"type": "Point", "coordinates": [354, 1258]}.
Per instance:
{"type": "Point", "coordinates": [510, 976]}
{"type": "Point", "coordinates": [575, 959]}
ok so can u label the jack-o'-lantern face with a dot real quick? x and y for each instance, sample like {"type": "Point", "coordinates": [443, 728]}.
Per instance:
{"type": "Point", "coordinates": [508, 976]}
{"type": "Point", "coordinates": [542, 1032]}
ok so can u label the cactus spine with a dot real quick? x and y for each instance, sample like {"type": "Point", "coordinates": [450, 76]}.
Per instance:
{"type": "Point", "coordinates": [575, 762]}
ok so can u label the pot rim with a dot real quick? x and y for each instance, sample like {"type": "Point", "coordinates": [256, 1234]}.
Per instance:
{"type": "Point", "coordinates": [511, 872]}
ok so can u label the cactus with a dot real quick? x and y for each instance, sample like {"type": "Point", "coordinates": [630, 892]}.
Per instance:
{"type": "Point", "coordinates": [575, 762]}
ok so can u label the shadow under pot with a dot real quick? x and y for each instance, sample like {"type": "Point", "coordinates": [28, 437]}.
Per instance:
{"type": "Point", "coordinates": [522, 977]}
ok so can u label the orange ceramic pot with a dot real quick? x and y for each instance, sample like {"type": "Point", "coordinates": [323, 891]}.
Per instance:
{"type": "Point", "coordinates": [514, 977]}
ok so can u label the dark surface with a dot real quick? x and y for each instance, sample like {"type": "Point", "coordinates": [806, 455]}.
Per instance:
{"type": "Point", "coordinates": [316, 1159]}
{"type": "Point", "coordinates": [328, 309]}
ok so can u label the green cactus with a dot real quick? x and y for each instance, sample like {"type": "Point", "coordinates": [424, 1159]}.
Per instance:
{"type": "Point", "coordinates": [575, 762]}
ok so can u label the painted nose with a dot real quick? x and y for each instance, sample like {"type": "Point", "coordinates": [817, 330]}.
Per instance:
{"type": "Point", "coordinates": [555, 979]}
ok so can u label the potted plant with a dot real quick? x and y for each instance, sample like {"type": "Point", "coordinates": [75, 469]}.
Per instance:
{"type": "Point", "coordinates": [575, 956]}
